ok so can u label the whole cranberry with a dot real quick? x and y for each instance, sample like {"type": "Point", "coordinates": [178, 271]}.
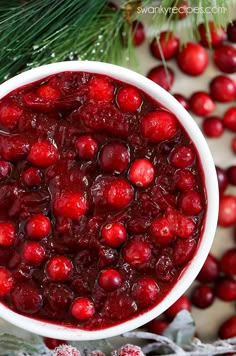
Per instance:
{"type": "Point", "coordinates": [192, 59]}
{"type": "Point", "coordinates": [166, 46]}
{"type": "Point", "coordinates": [157, 326]}
{"type": "Point", "coordinates": [145, 291]}
{"type": "Point", "coordinates": [183, 251]}
{"type": "Point", "coordinates": [231, 174]}
{"type": "Point", "coordinates": [33, 253]}
{"type": "Point", "coordinates": [6, 282]}
{"type": "Point", "coordinates": [70, 205]}
{"type": "Point", "coordinates": [182, 156]}
{"type": "Point", "coordinates": [228, 262]}
{"type": "Point", "coordinates": [82, 309]}
{"type": "Point", "coordinates": [229, 119]}
{"type": "Point", "coordinates": [129, 99]}
{"type": "Point", "coordinates": [141, 172]}
{"type": "Point", "coordinates": [59, 268]}
{"type": "Point", "coordinates": [184, 179]}
{"type": "Point", "coordinates": [182, 303]}
{"type": "Point", "coordinates": [138, 33]}
{"type": "Point", "coordinates": [32, 177]}
{"type": "Point", "coordinates": [114, 157]}
{"type": "Point", "coordinates": [227, 210]}
{"type": "Point", "coordinates": [222, 179]}
{"type": "Point", "coordinates": [223, 88]}
{"type": "Point", "coordinates": [202, 296]}
{"type": "Point", "coordinates": [214, 37]}
{"type": "Point", "coordinates": [43, 154]}
{"type": "Point", "coordinates": [5, 169]}
{"type": "Point", "coordinates": [119, 193]}
{"type": "Point", "coordinates": [225, 289]}
{"type": "Point", "coordinates": [86, 147]}
{"type": "Point", "coordinates": [53, 343]}
{"type": "Point", "coordinates": [160, 231]}
{"type": "Point", "coordinates": [38, 226]}
{"type": "Point", "coordinates": [26, 298]}
{"type": "Point", "coordinates": [233, 144]}
{"type": "Point", "coordinates": [7, 234]}
{"type": "Point", "coordinates": [201, 103]}
{"type": "Point", "coordinates": [100, 89]}
{"type": "Point", "coordinates": [48, 93]}
{"type": "Point", "coordinates": [158, 125]}
{"type": "Point", "coordinates": [228, 328]}
{"type": "Point", "coordinates": [137, 252]}
{"type": "Point", "coordinates": [114, 234]}
{"type": "Point", "coordinates": [190, 202]}
{"type": "Point", "coordinates": [182, 100]}
{"type": "Point", "coordinates": [110, 279]}
{"type": "Point", "coordinates": [10, 115]}
{"type": "Point", "coordinates": [231, 31]}
{"type": "Point", "coordinates": [209, 271]}
{"type": "Point", "coordinates": [180, 224]}
{"type": "Point", "coordinates": [225, 58]}
{"type": "Point", "coordinates": [213, 126]}
{"type": "Point", "coordinates": [163, 76]}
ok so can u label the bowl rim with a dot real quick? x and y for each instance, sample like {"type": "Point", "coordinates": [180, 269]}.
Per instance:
{"type": "Point", "coordinates": [212, 196]}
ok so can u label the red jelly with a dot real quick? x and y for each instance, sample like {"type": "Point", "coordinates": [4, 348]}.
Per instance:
{"type": "Point", "coordinates": [103, 205]}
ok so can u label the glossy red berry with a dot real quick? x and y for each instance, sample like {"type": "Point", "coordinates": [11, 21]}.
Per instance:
{"type": "Point", "coordinates": [110, 279]}
{"type": "Point", "coordinates": [183, 250]}
{"type": "Point", "coordinates": [214, 37]}
{"type": "Point", "coordinates": [33, 253]}
{"type": "Point", "coordinates": [160, 231]}
{"type": "Point", "coordinates": [182, 157]}
{"type": "Point", "coordinates": [100, 89]}
{"type": "Point", "coordinates": [182, 303]}
{"type": "Point", "coordinates": [225, 289]}
{"type": "Point", "coordinates": [184, 179]}
{"type": "Point", "coordinates": [53, 343]}
{"type": "Point", "coordinates": [59, 268]}
{"type": "Point", "coordinates": [86, 147]}
{"type": "Point", "coordinates": [114, 234]}
{"type": "Point", "coordinates": [231, 174]}
{"type": "Point", "coordinates": [141, 172]}
{"type": "Point", "coordinates": [129, 99]}
{"type": "Point", "coordinates": [37, 227]}
{"type": "Point", "coordinates": [48, 93]}
{"type": "Point", "coordinates": [157, 326]}
{"type": "Point", "coordinates": [32, 177]}
{"type": "Point", "coordinates": [210, 270]}
{"type": "Point", "coordinates": [82, 309]}
{"type": "Point", "coordinates": [231, 31]}
{"type": "Point", "coordinates": [70, 205]}
{"type": "Point", "coordinates": [7, 234]}
{"type": "Point", "coordinates": [222, 179]}
{"type": "Point", "coordinates": [201, 104]}
{"type": "Point", "coordinates": [227, 330]}
{"type": "Point", "coordinates": [190, 202]}
{"type": "Point", "coordinates": [145, 291]}
{"type": "Point", "coordinates": [137, 252]}
{"type": "Point", "coordinates": [223, 88]}
{"type": "Point", "coordinates": [225, 58]}
{"type": "Point", "coordinates": [26, 298]}
{"type": "Point", "coordinates": [6, 282]}
{"type": "Point", "coordinates": [228, 262]}
{"type": "Point", "coordinates": [229, 119]}
{"type": "Point", "coordinates": [227, 210]}
{"type": "Point", "coordinates": [138, 33]}
{"type": "Point", "coordinates": [43, 154]}
{"type": "Point", "coordinates": [166, 46]}
{"type": "Point", "coordinates": [114, 157]}
{"type": "Point", "coordinates": [180, 224]}
{"type": "Point", "coordinates": [159, 125]}
{"type": "Point", "coordinates": [5, 170]}
{"type": "Point", "coordinates": [192, 59]}
{"type": "Point", "coordinates": [213, 126]}
{"type": "Point", "coordinates": [182, 100]}
{"type": "Point", "coordinates": [10, 115]}
{"type": "Point", "coordinates": [202, 296]}
{"type": "Point", "coordinates": [162, 76]}
{"type": "Point", "coordinates": [119, 193]}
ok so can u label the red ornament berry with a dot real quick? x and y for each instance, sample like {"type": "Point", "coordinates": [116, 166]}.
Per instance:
{"type": "Point", "coordinates": [180, 224]}
{"type": "Point", "coordinates": [5, 169]}
{"type": "Point", "coordinates": [114, 234]}
{"type": "Point", "coordinates": [38, 227]}
{"type": "Point", "coordinates": [100, 89]}
{"type": "Point", "coordinates": [182, 100]}
{"type": "Point", "coordinates": [202, 296]}
{"type": "Point", "coordinates": [163, 76]}
{"type": "Point", "coordinates": [223, 88]}
{"type": "Point", "coordinates": [182, 157]}
{"type": "Point", "coordinates": [10, 115]}
{"type": "Point", "coordinates": [157, 326]}
{"type": "Point", "coordinates": [182, 303]}
{"type": "Point", "coordinates": [227, 210]}
{"type": "Point", "coordinates": [231, 174]}
{"type": "Point", "coordinates": [32, 177]}
{"type": "Point", "coordinates": [43, 154]}
{"type": "Point", "coordinates": [137, 252]}
{"type": "Point", "coordinates": [7, 234]}
{"type": "Point", "coordinates": [210, 270]}
{"type": "Point", "coordinates": [201, 104]}
{"type": "Point", "coordinates": [166, 46]}
{"type": "Point", "coordinates": [213, 126]}
{"type": "Point", "coordinates": [222, 179]}
{"type": "Point", "coordinates": [27, 299]}
{"type": "Point", "coordinates": [192, 59]}
{"type": "Point", "coordinates": [53, 343]}
{"type": "Point", "coordinates": [59, 268]}
{"type": "Point", "coordinates": [110, 279]}
{"type": "Point", "coordinates": [82, 309]}
{"type": "Point", "coordinates": [6, 282]}
{"type": "Point", "coordinates": [119, 193]}
{"type": "Point", "coordinates": [86, 147]}
{"type": "Point", "coordinates": [159, 125]}
{"type": "Point", "coordinates": [129, 99]}
{"type": "Point", "coordinates": [145, 291]}
{"type": "Point", "coordinates": [138, 33]}
{"type": "Point", "coordinates": [33, 253]}
{"type": "Point", "coordinates": [214, 38]}
{"type": "Point", "coordinates": [190, 202]}
{"type": "Point", "coordinates": [160, 231]}
{"type": "Point", "coordinates": [227, 330]}
{"type": "Point", "coordinates": [225, 289]}
{"type": "Point", "coordinates": [141, 172]}
{"type": "Point", "coordinates": [184, 179]}
{"type": "Point", "coordinates": [114, 157]}
{"type": "Point", "coordinates": [228, 262]}
{"type": "Point", "coordinates": [225, 58]}
{"type": "Point", "coordinates": [231, 31]}
{"type": "Point", "coordinates": [70, 205]}
{"type": "Point", "coordinates": [229, 119]}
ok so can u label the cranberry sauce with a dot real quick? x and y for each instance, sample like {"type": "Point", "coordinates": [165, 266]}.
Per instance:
{"type": "Point", "coordinates": [102, 200]}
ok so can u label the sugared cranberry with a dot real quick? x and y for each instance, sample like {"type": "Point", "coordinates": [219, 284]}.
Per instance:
{"type": "Point", "coordinates": [227, 330]}
{"type": "Point", "coordinates": [231, 31]}
{"type": "Point", "coordinates": [138, 33]}
{"type": "Point", "coordinates": [190, 202]}
{"type": "Point", "coordinates": [10, 115]}
{"type": "Point", "coordinates": [33, 253]}
{"type": "Point", "coordinates": [225, 58]}
{"type": "Point", "coordinates": [43, 154]}
{"type": "Point", "coordinates": [160, 231]}
{"type": "Point", "coordinates": [82, 309]}
{"type": "Point", "coordinates": [202, 296]}
{"type": "Point", "coordinates": [201, 104]}
{"type": "Point", "coordinates": [59, 268]}
{"type": "Point", "coordinates": [86, 147]}
{"type": "Point", "coordinates": [114, 234]}
{"type": "Point", "coordinates": [129, 99]}
{"type": "Point", "coordinates": [70, 205]}
{"type": "Point", "coordinates": [223, 88]}
{"type": "Point", "coordinates": [209, 271]}
{"type": "Point", "coordinates": [100, 89]}
{"type": "Point", "coordinates": [137, 252]}
{"type": "Point", "coordinates": [7, 234]}
{"type": "Point", "coordinates": [5, 169]}
{"type": "Point", "coordinates": [32, 177]}
{"type": "Point", "coordinates": [114, 157]}
{"type": "Point", "coordinates": [182, 303]}
{"type": "Point", "coordinates": [228, 262]}
{"type": "Point", "coordinates": [183, 251]}
{"type": "Point", "coordinates": [182, 157]}
{"type": "Point", "coordinates": [163, 76]}
{"type": "Point", "coordinates": [141, 172]}
{"type": "Point", "coordinates": [110, 279]}
{"type": "Point", "coordinates": [53, 343]}
{"type": "Point", "coordinates": [157, 326]}
{"type": "Point", "coordinates": [222, 179]}
{"type": "Point", "coordinates": [184, 179]}
{"type": "Point", "coordinates": [145, 291]}
{"type": "Point", "coordinates": [166, 46]}
{"type": "Point", "coordinates": [6, 282]}
{"type": "Point", "coordinates": [38, 226]}
{"type": "Point", "coordinates": [214, 37]}
{"type": "Point", "coordinates": [182, 100]}
{"type": "Point", "coordinates": [180, 224]}
{"type": "Point", "coordinates": [192, 59]}
{"type": "Point", "coordinates": [229, 119]}
{"type": "Point", "coordinates": [158, 125]}
{"type": "Point", "coordinates": [27, 299]}
{"type": "Point", "coordinates": [231, 174]}
{"type": "Point", "coordinates": [213, 126]}
{"type": "Point", "coordinates": [129, 350]}
{"type": "Point", "coordinates": [227, 210]}
{"type": "Point", "coordinates": [225, 289]}
{"type": "Point", "coordinates": [119, 193]}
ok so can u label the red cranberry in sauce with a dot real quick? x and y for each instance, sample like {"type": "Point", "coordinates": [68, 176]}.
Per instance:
{"type": "Point", "coordinates": [43, 154]}
{"type": "Point", "coordinates": [145, 291]}
{"type": "Point", "coordinates": [222, 179]}
{"type": "Point", "coordinates": [6, 282]}
{"type": "Point", "coordinates": [201, 103]}
{"type": "Point", "coordinates": [166, 46]}
{"type": "Point", "coordinates": [214, 37]}
{"type": "Point", "coordinates": [190, 202]}
{"type": "Point", "coordinates": [182, 303]}
{"type": "Point", "coordinates": [82, 309]}
{"type": "Point", "coordinates": [210, 270]}
{"type": "Point", "coordinates": [225, 58]}
{"type": "Point", "coordinates": [33, 253]}
{"type": "Point", "coordinates": [100, 89]}
{"type": "Point", "coordinates": [7, 234]}
{"type": "Point", "coordinates": [227, 210]}
{"type": "Point", "coordinates": [192, 59]}
{"type": "Point", "coordinates": [141, 172]}
{"type": "Point", "coordinates": [119, 193]}
{"type": "Point", "coordinates": [5, 169]}
{"type": "Point", "coordinates": [129, 99]}
{"type": "Point", "coordinates": [182, 157]}
{"type": "Point", "coordinates": [86, 147]}
{"type": "Point", "coordinates": [59, 268]}
{"type": "Point", "coordinates": [213, 126]}
{"type": "Point", "coordinates": [160, 231]}
{"type": "Point", "coordinates": [70, 205]}
{"type": "Point", "coordinates": [138, 33]}
{"type": "Point", "coordinates": [162, 76]}
{"type": "Point", "coordinates": [225, 289]}
{"type": "Point", "coordinates": [9, 115]}
{"type": "Point", "coordinates": [137, 252]}
{"type": "Point", "coordinates": [231, 31]}
{"type": "Point", "coordinates": [158, 125]}
{"type": "Point", "coordinates": [228, 262]}
{"type": "Point", "coordinates": [13, 148]}
{"type": "Point", "coordinates": [114, 234]}
{"type": "Point", "coordinates": [37, 227]}
{"type": "Point", "coordinates": [110, 279]}
{"type": "Point", "coordinates": [26, 298]}
{"type": "Point", "coordinates": [228, 328]}
{"type": "Point", "coordinates": [229, 119]}
{"type": "Point", "coordinates": [182, 100]}
{"type": "Point", "coordinates": [180, 224]}
{"type": "Point", "coordinates": [223, 88]}
{"type": "Point", "coordinates": [184, 179]}
{"type": "Point", "coordinates": [32, 177]}
{"type": "Point", "coordinates": [114, 157]}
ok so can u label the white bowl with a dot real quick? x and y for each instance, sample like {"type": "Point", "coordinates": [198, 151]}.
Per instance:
{"type": "Point", "coordinates": [208, 168]}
